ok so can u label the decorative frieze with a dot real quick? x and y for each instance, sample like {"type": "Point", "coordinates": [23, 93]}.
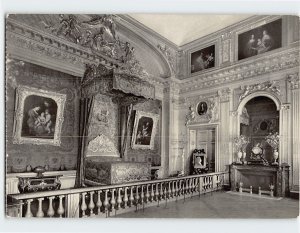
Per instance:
{"type": "Point", "coordinates": [61, 53]}
{"type": "Point", "coordinates": [265, 64]}
{"type": "Point", "coordinates": [270, 86]}
{"type": "Point", "coordinates": [224, 94]}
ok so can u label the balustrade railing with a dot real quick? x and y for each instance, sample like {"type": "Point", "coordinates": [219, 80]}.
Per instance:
{"type": "Point", "coordinates": [108, 200]}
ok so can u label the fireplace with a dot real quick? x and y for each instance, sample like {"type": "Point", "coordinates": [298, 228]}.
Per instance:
{"type": "Point", "coordinates": [261, 176]}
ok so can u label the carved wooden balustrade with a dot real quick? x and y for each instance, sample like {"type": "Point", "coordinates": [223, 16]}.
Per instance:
{"type": "Point", "coordinates": [109, 200]}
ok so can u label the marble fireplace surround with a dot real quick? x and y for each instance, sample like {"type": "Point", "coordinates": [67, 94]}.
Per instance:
{"type": "Point", "coordinates": [261, 176]}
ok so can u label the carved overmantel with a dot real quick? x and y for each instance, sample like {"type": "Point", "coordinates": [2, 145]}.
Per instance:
{"type": "Point", "coordinates": [210, 116]}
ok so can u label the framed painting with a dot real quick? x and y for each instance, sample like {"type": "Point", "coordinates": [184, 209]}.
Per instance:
{"type": "Point", "coordinates": [259, 40]}
{"type": "Point", "coordinates": [202, 59]}
{"type": "Point", "coordinates": [38, 116]}
{"type": "Point", "coordinates": [202, 108]}
{"type": "Point", "coordinates": [144, 130]}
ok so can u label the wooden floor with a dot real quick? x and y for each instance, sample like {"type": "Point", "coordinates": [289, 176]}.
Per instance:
{"type": "Point", "coordinates": [221, 205]}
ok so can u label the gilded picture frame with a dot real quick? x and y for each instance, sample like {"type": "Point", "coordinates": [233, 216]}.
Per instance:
{"type": "Point", "coordinates": [38, 116]}
{"type": "Point", "coordinates": [144, 130]}
{"type": "Point", "coordinates": [210, 58]}
{"type": "Point", "coordinates": [243, 38]}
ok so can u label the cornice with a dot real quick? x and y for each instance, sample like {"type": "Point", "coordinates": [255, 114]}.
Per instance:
{"type": "Point", "coordinates": [224, 31]}
{"type": "Point", "coordinates": [277, 60]}
{"type": "Point", "coordinates": [140, 35]}
{"type": "Point", "coordinates": [142, 28]}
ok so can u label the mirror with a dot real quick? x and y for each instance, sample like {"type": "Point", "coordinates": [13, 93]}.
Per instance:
{"type": "Point", "coordinates": [259, 118]}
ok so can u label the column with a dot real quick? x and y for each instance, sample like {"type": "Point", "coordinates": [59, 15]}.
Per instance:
{"type": "Point", "coordinates": [295, 119]}
{"type": "Point", "coordinates": [224, 157]}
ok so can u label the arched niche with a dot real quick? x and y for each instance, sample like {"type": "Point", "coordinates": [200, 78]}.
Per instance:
{"type": "Point", "coordinates": [265, 116]}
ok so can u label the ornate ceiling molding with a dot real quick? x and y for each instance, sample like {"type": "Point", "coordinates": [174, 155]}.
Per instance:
{"type": "Point", "coordinates": [26, 43]}
{"type": "Point", "coordinates": [275, 61]}
{"type": "Point", "coordinates": [170, 55]}
{"type": "Point", "coordinates": [98, 34]}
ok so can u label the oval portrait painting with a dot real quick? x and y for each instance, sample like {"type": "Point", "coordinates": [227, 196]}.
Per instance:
{"type": "Point", "coordinates": [202, 108]}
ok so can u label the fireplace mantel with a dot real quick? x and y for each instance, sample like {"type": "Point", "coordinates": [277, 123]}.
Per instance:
{"type": "Point", "coordinates": [261, 176]}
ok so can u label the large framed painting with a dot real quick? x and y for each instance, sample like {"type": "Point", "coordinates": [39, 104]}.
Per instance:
{"type": "Point", "coordinates": [259, 40]}
{"type": "Point", "coordinates": [144, 130]}
{"type": "Point", "coordinates": [38, 116]}
{"type": "Point", "coordinates": [202, 59]}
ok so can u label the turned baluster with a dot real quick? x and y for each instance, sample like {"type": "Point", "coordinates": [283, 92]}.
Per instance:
{"type": "Point", "coordinates": [169, 190]}
{"type": "Point", "coordinates": [83, 204]}
{"type": "Point", "coordinates": [180, 188]}
{"type": "Point", "coordinates": [137, 196]}
{"type": "Point", "coordinates": [50, 211]}
{"type": "Point", "coordinates": [105, 203]}
{"type": "Point", "coordinates": [250, 189]}
{"type": "Point", "coordinates": [186, 186]}
{"type": "Point", "coordinates": [142, 195]}
{"type": "Point", "coordinates": [91, 204]}
{"type": "Point", "coordinates": [196, 184]}
{"type": "Point", "coordinates": [125, 197]}
{"type": "Point", "coordinates": [176, 189]}
{"type": "Point", "coordinates": [204, 184]}
{"type": "Point", "coordinates": [99, 202]}
{"type": "Point", "coordinates": [131, 197]}
{"type": "Point", "coordinates": [152, 193]}
{"type": "Point", "coordinates": [119, 199]}
{"type": "Point", "coordinates": [173, 189]}
{"type": "Point", "coordinates": [161, 191]}
{"type": "Point", "coordinates": [112, 200]}
{"type": "Point", "coordinates": [218, 180]}
{"type": "Point", "coordinates": [40, 212]}
{"type": "Point", "coordinates": [60, 209]}
{"type": "Point", "coordinates": [147, 193]}
{"type": "Point", "coordinates": [192, 185]}
{"type": "Point", "coordinates": [199, 185]}
{"type": "Point", "coordinates": [156, 192]}
{"type": "Point", "coordinates": [28, 211]}
{"type": "Point", "coordinates": [188, 183]}
{"type": "Point", "coordinates": [211, 184]}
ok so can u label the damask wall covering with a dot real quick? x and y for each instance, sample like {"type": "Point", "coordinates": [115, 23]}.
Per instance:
{"type": "Point", "coordinates": [24, 157]}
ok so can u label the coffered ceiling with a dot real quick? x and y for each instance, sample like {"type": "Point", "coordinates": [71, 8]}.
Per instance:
{"type": "Point", "coordinates": [184, 28]}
